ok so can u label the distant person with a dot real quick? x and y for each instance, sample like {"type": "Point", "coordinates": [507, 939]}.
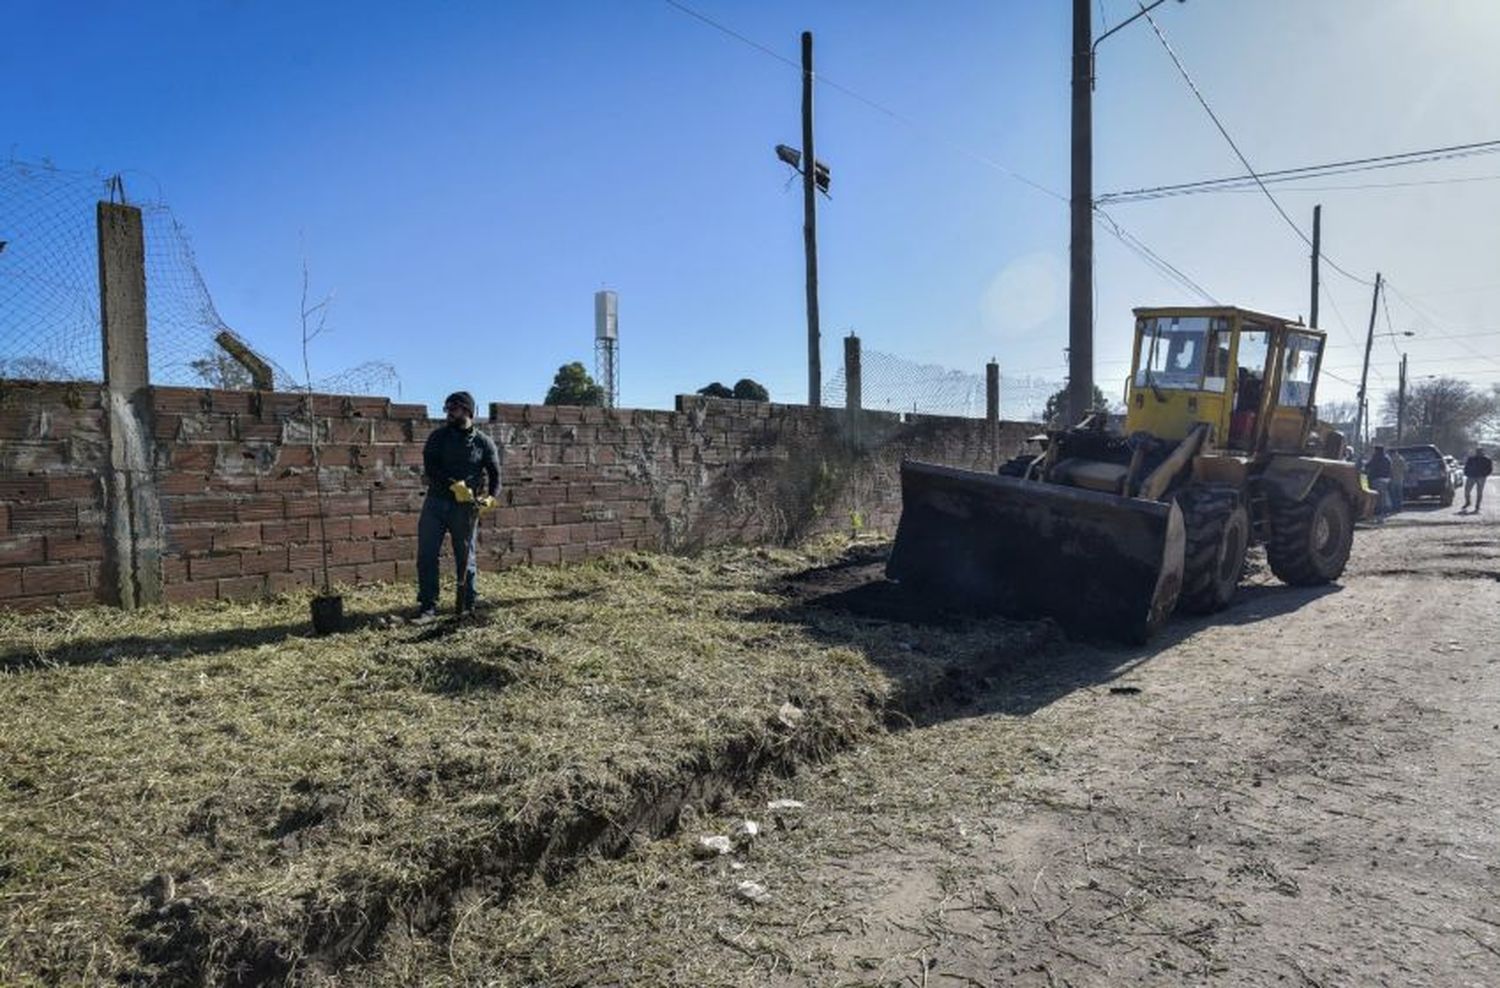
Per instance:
{"type": "Point", "coordinates": [1398, 481]}
{"type": "Point", "coordinates": [462, 468]}
{"type": "Point", "coordinates": [1476, 469]}
{"type": "Point", "coordinates": [1378, 469]}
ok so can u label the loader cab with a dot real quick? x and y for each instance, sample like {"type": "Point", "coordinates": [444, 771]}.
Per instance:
{"type": "Point", "coordinates": [1251, 377]}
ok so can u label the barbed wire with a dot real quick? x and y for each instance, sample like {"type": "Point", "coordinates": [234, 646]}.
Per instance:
{"type": "Point", "coordinates": [889, 383]}
{"type": "Point", "coordinates": [49, 293]}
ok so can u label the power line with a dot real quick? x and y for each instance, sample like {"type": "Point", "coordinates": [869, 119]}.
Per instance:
{"type": "Point", "coordinates": [1249, 188]}
{"type": "Point", "coordinates": [1432, 325]}
{"type": "Point", "coordinates": [896, 115]}
{"type": "Point", "coordinates": [1151, 257]}
{"type": "Point", "coordinates": [1338, 316]}
{"type": "Point", "coordinates": [1305, 172]}
{"type": "Point", "coordinates": [1385, 304]}
{"type": "Point", "coordinates": [1193, 86]}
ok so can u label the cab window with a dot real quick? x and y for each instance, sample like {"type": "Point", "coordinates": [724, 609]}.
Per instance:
{"type": "Point", "coordinates": [1171, 352]}
{"type": "Point", "coordinates": [1250, 369]}
{"type": "Point", "coordinates": [1299, 369]}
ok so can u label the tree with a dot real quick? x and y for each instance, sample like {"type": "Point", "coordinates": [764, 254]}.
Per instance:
{"type": "Point", "coordinates": [748, 390]}
{"type": "Point", "coordinates": [1451, 414]}
{"type": "Point", "coordinates": [715, 390]}
{"type": "Point", "coordinates": [1339, 414]}
{"type": "Point", "coordinates": [220, 370]}
{"type": "Point", "coordinates": [34, 369]}
{"type": "Point", "coordinates": [574, 386]}
{"type": "Point", "coordinates": [1052, 413]}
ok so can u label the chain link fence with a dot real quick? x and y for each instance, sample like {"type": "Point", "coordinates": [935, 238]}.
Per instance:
{"type": "Point", "coordinates": [49, 292]}
{"type": "Point", "coordinates": [894, 384]}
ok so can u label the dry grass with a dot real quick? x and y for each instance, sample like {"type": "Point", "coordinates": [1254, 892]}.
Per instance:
{"type": "Point", "coordinates": [209, 794]}
{"type": "Point", "coordinates": [889, 819]}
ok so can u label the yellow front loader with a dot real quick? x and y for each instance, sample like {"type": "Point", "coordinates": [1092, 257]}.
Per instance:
{"type": "Point", "coordinates": [1110, 532]}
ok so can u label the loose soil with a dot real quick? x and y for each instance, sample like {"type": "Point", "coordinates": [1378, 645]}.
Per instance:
{"type": "Point", "coordinates": [210, 795]}
{"type": "Point", "coordinates": [1297, 791]}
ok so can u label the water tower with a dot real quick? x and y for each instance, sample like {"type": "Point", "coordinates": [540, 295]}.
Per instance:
{"type": "Point", "coordinates": [607, 345]}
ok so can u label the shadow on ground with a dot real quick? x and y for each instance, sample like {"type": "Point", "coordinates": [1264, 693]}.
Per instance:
{"type": "Point", "coordinates": [104, 650]}
{"type": "Point", "coordinates": [1019, 666]}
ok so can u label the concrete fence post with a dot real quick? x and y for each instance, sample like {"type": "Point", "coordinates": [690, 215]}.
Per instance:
{"type": "Point", "coordinates": [133, 529]}
{"type": "Point", "coordinates": [852, 394]}
{"type": "Point", "coordinates": [992, 407]}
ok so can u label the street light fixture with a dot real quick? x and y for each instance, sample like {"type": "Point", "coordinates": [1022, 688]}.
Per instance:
{"type": "Point", "coordinates": [1129, 20]}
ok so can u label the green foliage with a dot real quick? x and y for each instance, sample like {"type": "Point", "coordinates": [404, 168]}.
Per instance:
{"type": "Point", "coordinates": [826, 482]}
{"type": "Point", "coordinates": [1451, 414]}
{"type": "Point", "coordinates": [220, 370]}
{"type": "Point", "coordinates": [715, 390]}
{"type": "Point", "coordinates": [33, 369]}
{"type": "Point", "coordinates": [748, 390]}
{"type": "Point", "coordinates": [574, 386]}
{"type": "Point", "coordinates": [1052, 414]}
{"type": "Point", "coordinates": [744, 389]}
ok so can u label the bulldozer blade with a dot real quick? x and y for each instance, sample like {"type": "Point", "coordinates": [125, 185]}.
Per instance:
{"type": "Point", "coordinates": [1099, 564]}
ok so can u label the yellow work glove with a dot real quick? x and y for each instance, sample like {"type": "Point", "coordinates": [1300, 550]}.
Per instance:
{"type": "Point", "coordinates": [461, 492]}
{"type": "Point", "coordinates": [486, 503]}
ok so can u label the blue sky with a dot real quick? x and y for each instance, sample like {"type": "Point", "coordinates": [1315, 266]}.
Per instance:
{"type": "Point", "coordinates": [464, 176]}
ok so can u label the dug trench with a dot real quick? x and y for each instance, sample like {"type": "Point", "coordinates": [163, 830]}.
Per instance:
{"type": "Point", "coordinates": [937, 662]}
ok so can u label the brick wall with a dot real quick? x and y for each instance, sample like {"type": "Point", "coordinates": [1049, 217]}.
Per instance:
{"type": "Point", "coordinates": [239, 498]}
{"type": "Point", "coordinates": [239, 504]}
{"type": "Point", "coordinates": [52, 454]}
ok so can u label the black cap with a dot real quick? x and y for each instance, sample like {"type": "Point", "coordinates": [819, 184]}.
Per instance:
{"type": "Point", "coordinates": [462, 398]}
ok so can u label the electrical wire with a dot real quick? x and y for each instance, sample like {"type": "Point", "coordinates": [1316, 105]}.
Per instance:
{"type": "Point", "coordinates": [1202, 101]}
{"type": "Point", "coordinates": [1307, 172]}
{"type": "Point", "coordinates": [916, 125]}
{"type": "Point", "coordinates": [1151, 257]}
{"type": "Point", "coordinates": [1252, 190]}
{"type": "Point", "coordinates": [1432, 324]}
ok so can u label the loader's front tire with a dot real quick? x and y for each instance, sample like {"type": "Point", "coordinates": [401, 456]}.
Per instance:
{"type": "Point", "coordinates": [1310, 539]}
{"type": "Point", "coordinates": [1217, 530]}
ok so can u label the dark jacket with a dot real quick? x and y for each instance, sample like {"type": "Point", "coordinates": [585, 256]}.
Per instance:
{"type": "Point", "coordinates": [1478, 466]}
{"type": "Point", "coordinates": [1378, 467]}
{"type": "Point", "coordinates": [453, 454]}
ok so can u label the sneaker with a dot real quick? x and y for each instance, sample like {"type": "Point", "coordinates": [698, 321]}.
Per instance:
{"type": "Point", "coordinates": [425, 615]}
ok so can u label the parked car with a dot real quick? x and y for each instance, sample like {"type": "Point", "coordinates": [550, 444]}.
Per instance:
{"type": "Point", "coordinates": [1455, 471]}
{"type": "Point", "coordinates": [1427, 473]}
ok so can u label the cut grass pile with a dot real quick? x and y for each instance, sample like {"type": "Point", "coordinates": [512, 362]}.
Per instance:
{"type": "Point", "coordinates": [210, 795]}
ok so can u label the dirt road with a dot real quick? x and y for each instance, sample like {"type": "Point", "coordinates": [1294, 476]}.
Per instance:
{"type": "Point", "coordinates": [1301, 790]}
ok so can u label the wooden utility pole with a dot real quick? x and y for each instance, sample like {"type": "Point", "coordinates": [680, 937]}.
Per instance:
{"type": "Point", "coordinates": [1317, 254]}
{"type": "Point", "coordinates": [1081, 245]}
{"type": "Point", "coordinates": [1401, 403]}
{"type": "Point", "coordinates": [810, 226]}
{"type": "Point", "coordinates": [1362, 423]}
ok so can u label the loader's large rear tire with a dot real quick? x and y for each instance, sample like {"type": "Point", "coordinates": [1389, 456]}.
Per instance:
{"type": "Point", "coordinates": [1310, 539]}
{"type": "Point", "coordinates": [1217, 529]}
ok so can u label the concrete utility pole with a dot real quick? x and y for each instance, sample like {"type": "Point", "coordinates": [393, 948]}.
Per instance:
{"type": "Point", "coordinates": [1081, 208]}
{"type": "Point", "coordinates": [1317, 254]}
{"type": "Point", "coordinates": [1081, 205]}
{"type": "Point", "coordinates": [1362, 423]}
{"type": "Point", "coordinates": [1401, 403]}
{"type": "Point", "coordinates": [810, 226]}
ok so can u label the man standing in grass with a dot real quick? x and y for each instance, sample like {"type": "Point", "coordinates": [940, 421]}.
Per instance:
{"type": "Point", "coordinates": [462, 468]}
